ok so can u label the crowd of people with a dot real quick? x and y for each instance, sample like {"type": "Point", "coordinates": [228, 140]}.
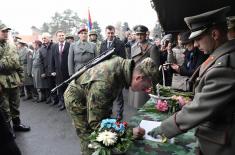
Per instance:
{"type": "Point", "coordinates": [31, 71]}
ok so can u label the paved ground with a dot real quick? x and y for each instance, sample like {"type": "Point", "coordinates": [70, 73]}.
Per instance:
{"type": "Point", "coordinates": [51, 132]}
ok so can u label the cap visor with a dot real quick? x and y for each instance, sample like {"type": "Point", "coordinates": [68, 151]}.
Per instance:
{"type": "Point", "coordinates": [140, 32]}
{"type": "Point", "coordinates": [195, 34]}
{"type": "Point", "coordinates": [6, 28]}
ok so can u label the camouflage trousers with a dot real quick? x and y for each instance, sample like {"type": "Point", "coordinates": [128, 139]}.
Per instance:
{"type": "Point", "coordinates": [10, 103]}
{"type": "Point", "coordinates": [75, 103]}
{"type": "Point", "coordinates": [84, 120]}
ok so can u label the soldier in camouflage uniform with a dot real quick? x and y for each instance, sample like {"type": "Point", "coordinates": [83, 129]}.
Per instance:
{"type": "Point", "coordinates": [11, 77]}
{"type": "Point", "coordinates": [89, 99]}
{"type": "Point", "coordinates": [93, 37]}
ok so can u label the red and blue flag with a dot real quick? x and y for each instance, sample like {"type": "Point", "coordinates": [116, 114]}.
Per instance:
{"type": "Point", "coordinates": [89, 24]}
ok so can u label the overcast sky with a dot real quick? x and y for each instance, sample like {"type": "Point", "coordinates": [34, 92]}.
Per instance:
{"type": "Point", "coordinates": [21, 15]}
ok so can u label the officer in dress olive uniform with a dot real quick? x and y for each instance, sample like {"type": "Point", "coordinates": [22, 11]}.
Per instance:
{"type": "Point", "coordinates": [142, 49]}
{"type": "Point", "coordinates": [212, 110]}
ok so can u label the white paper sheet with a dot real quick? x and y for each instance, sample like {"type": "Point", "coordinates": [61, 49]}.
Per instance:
{"type": "Point", "coordinates": [148, 126]}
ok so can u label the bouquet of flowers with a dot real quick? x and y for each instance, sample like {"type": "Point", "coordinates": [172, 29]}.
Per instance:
{"type": "Point", "coordinates": [113, 137]}
{"type": "Point", "coordinates": [168, 100]}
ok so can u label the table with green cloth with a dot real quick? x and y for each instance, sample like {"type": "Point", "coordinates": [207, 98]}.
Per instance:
{"type": "Point", "coordinates": [183, 144]}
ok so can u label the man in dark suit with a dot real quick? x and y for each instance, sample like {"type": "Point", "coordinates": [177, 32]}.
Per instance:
{"type": "Point", "coordinates": [112, 42]}
{"type": "Point", "coordinates": [59, 65]}
{"type": "Point", "coordinates": [109, 43]}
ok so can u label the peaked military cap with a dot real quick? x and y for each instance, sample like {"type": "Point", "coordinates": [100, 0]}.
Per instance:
{"type": "Point", "coordinates": [140, 29]}
{"type": "Point", "coordinates": [22, 42]}
{"type": "Point", "coordinates": [3, 27]}
{"type": "Point", "coordinates": [231, 22]}
{"type": "Point", "coordinates": [93, 32]}
{"type": "Point", "coordinates": [200, 23]}
{"type": "Point", "coordinates": [17, 37]}
{"type": "Point", "coordinates": [148, 68]}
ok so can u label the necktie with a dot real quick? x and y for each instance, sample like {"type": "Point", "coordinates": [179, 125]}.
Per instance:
{"type": "Point", "coordinates": [61, 48]}
{"type": "Point", "coordinates": [109, 44]}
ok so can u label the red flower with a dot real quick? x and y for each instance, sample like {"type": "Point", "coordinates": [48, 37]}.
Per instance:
{"type": "Point", "coordinates": [161, 105]}
{"type": "Point", "coordinates": [125, 124]}
{"type": "Point", "coordinates": [118, 124]}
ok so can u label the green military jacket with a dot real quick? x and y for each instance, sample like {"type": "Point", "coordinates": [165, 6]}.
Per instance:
{"type": "Point", "coordinates": [212, 110]}
{"type": "Point", "coordinates": [11, 74]}
{"type": "Point", "coordinates": [96, 89]}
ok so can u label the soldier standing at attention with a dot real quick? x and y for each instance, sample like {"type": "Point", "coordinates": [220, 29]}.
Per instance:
{"type": "Point", "coordinates": [212, 110]}
{"type": "Point", "coordinates": [89, 98]}
{"type": "Point", "coordinates": [11, 77]}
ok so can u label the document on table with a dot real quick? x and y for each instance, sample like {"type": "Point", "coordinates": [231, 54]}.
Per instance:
{"type": "Point", "coordinates": [148, 126]}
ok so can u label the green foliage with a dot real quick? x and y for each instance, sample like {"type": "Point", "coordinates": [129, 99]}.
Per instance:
{"type": "Point", "coordinates": [168, 92]}
{"type": "Point", "coordinates": [171, 96]}
{"type": "Point", "coordinates": [69, 22]}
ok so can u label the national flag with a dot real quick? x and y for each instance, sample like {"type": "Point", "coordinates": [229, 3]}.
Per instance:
{"type": "Point", "coordinates": [89, 21]}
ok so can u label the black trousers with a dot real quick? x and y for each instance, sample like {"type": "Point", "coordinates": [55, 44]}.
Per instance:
{"type": "Point", "coordinates": [7, 142]}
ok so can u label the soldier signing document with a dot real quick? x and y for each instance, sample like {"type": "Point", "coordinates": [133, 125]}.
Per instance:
{"type": "Point", "coordinates": [89, 98]}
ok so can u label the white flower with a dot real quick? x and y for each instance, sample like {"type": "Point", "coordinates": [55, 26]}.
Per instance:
{"type": "Point", "coordinates": [108, 138]}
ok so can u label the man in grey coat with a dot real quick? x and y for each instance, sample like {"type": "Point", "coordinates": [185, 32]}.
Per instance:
{"type": "Point", "coordinates": [212, 110]}
{"type": "Point", "coordinates": [80, 52]}
{"type": "Point", "coordinates": [25, 57]}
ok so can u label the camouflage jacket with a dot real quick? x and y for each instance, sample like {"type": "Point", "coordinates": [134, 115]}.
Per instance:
{"type": "Point", "coordinates": [99, 86]}
{"type": "Point", "coordinates": [11, 73]}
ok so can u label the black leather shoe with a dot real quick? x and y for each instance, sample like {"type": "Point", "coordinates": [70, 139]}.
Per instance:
{"type": "Point", "coordinates": [21, 127]}
{"type": "Point", "coordinates": [62, 108]}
